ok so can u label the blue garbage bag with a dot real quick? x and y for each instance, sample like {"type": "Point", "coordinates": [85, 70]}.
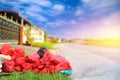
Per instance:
{"type": "Point", "coordinates": [68, 72]}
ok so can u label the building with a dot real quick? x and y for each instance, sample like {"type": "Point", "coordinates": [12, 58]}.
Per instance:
{"type": "Point", "coordinates": [37, 34]}
{"type": "Point", "coordinates": [34, 35]}
{"type": "Point", "coordinates": [13, 29]}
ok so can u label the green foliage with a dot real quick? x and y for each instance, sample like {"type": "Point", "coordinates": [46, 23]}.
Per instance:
{"type": "Point", "coordinates": [34, 76]}
{"type": "Point", "coordinates": [45, 36]}
{"type": "Point", "coordinates": [45, 44]}
{"type": "Point", "coordinates": [27, 32]}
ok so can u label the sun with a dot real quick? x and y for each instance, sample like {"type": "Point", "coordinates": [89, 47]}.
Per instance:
{"type": "Point", "coordinates": [111, 32]}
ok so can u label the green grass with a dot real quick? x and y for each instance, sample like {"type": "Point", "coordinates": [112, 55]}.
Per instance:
{"type": "Point", "coordinates": [34, 76]}
{"type": "Point", "coordinates": [47, 45]}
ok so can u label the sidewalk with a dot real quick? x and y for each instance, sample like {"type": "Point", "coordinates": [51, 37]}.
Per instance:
{"type": "Point", "coordinates": [27, 49]}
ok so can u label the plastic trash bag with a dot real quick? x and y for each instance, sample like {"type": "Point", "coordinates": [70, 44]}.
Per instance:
{"type": "Point", "coordinates": [8, 66]}
{"type": "Point", "coordinates": [19, 52]}
{"type": "Point", "coordinates": [33, 57]}
{"type": "Point", "coordinates": [68, 72]}
{"type": "Point", "coordinates": [6, 49]}
{"type": "Point", "coordinates": [42, 51]}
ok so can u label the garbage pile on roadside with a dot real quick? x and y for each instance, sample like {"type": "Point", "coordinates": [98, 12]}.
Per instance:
{"type": "Point", "coordinates": [45, 63]}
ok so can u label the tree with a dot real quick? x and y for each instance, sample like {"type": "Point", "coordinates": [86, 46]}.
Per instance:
{"type": "Point", "coordinates": [45, 36]}
{"type": "Point", "coordinates": [27, 32]}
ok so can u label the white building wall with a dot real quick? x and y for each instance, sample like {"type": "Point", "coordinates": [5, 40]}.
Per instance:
{"type": "Point", "coordinates": [38, 35]}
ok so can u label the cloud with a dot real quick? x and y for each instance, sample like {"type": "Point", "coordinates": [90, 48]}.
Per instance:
{"type": "Point", "coordinates": [113, 19]}
{"type": "Point", "coordinates": [96, 4]}
{"type": "Point", "coordinates": [33, 8]}
{"type": "Point", "coordinates": [12, 3]}
{"type": "Point", "coordinates": [73, 22]}
{"type": "Point", "coordinates": [78, 12]}
{"type": "Point", "coordinates": [45, 3]}
{"type": "Point", "coordinates": [58, 7]}
{"type": "Point", "coordinates": [4, 2]}
{"type": "Point", "coordinates": [106, 3]}
{"type": "Point", "coordinates": [36, 16]}
{"type": "Point", "coordinates": [42, 18]}
{"type": "Point", "coordinates": [68, 33]}
{"type": "Point", "coordinates": [57, 23]}
{"type": "Point", "coordinates": [56, 10]}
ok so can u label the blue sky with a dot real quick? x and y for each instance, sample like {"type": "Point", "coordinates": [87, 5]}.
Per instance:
{"type": "Point", "coordinates": [70, 18]}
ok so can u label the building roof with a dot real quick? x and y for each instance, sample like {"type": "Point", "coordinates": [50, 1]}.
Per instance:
{"type": "Point", "coordinates": [15, 15]}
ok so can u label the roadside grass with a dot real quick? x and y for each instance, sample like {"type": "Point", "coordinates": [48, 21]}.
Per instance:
{"type": "Point", "coordinates": [34, 76]}
{"type": "Point", "coordinates": [47, 45]}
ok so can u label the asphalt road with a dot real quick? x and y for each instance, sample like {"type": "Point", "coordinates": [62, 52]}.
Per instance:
{"type": "Point", "coordinates": [90, 62]}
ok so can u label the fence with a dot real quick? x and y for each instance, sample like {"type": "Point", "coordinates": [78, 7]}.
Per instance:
{"type": "Point", "coordinates": [9, 30]}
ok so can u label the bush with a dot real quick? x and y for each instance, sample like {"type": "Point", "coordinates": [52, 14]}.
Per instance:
{"type": "Point", "coordinates": [34, 76]}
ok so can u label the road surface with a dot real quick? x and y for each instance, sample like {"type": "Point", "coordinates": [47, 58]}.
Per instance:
{"type": "Point", "coordinates": [90, 62]}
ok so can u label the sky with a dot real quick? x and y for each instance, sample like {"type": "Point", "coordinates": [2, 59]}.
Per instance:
{"type": "Point", "coordinates": [70, 18]}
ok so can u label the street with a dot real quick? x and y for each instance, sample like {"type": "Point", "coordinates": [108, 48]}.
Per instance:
{"type": "Point", "coordinates": [91, 62]}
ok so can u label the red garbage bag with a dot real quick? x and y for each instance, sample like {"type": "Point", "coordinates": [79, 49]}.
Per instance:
{"type": "Point", "coordinates": [56, 59]}
{"type": "Point", "coordinates": [46, 58]}
{"type": "Point", "coordinates": [59, 58]}
{"type": "Point", "coordinates": [43, 71]}
{"type": "Point", "coordinates": [33, 57]}
{"type": "Point", "coordinates": [36, 63]}
{"type": "Point", "coordinates": [63, 66]}
{"type": "Point", "coordinates": [10, 52]}
{"type": "Point", "coordinates": [14, 57]}
{"type": "Point", "coordinates": [19, 52]}
{"type": "Point", "coordinates": [6, 49]}
{"type": "Point", "coordinates": [47, 64]}
{"type": "Point", "coordinates": [20, 60]}
{"type": "Point", "coordinates": [41, 66]}
{"type": "Point", "coordinates": [8, 66]}
{"type": "Point", "coordinates": [26, 66]}
{"type": "Point", "coordinates": [35, 69]}
{"type": "Point", "coordinates": [18, 68]}
{"type": "Point", "coordinates": [52, 69]}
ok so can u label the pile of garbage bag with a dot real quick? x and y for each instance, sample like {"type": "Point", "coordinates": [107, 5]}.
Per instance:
{"type": "Point", "coordinates": [48, 63]}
